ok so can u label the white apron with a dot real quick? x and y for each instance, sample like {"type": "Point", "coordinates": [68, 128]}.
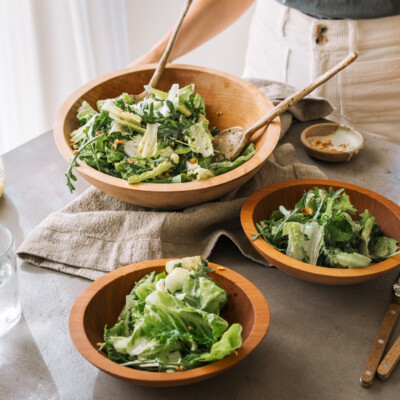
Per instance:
{"type": "Point", "coordinates": [288, 46]}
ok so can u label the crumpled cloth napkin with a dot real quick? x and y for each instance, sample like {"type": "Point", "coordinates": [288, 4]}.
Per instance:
{"type": "Point", "coordinates": [96, 233]}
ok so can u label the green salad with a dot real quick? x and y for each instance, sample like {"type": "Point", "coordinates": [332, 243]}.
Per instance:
{"type": "Point", "coordinates": [171, 322]}
{"type": "Point", "coordinates": [321, 231]}
{"type": "Point", "coordinates": [163, 139]}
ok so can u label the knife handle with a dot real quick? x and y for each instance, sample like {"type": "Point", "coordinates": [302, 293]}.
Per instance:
{"type": "Point", "coordinates": [375, 356]}
{"type": "Point", "coordinates": [389, 362]}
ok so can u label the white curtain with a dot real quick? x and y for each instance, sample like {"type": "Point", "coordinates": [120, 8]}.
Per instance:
{"type": "Point", "coordinates": [49, 48]}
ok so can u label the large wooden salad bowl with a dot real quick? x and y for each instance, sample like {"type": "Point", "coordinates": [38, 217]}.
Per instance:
{"type": "Point", "coordinates": [230, 101]}
{"type": "Point", "coordinates": [101, 302]}
{"type": "Point", "coordinates": [259, 206]}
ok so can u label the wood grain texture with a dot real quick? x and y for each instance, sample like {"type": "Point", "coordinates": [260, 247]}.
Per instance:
{"type": "Point", "coordinates": [323, 154]}
{"type": "Point", "coordinates": [284, 105]}
{"type": "Point", "coordinates": [391, 359]}
{"type": "Point", "coordinates": [259, 206]}
{"type": "Point", "coordinates": [167, 52]}
{"type": "Point", "coordinates": [380, 343]}
{"type": "Point", "coordinates": [101, 302]}
{"type": "Point", "coordinates": [233, 141]}
{"type": "Point", "coordinates": [239, 102]}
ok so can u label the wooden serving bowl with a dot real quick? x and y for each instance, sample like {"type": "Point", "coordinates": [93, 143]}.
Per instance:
{"type": "Point", "coordinates": [101, 302]}
{"type": "Point", "coordinates": [230, 101]}
{"type": "Point", "coordinates": [259, 206]}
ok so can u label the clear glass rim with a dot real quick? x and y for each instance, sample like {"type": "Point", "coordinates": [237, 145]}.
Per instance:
{"type": "Point", "coordinates": [7, 250]}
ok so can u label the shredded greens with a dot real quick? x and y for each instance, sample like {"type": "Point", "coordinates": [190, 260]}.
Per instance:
{"type": "Point", "coordinates": [171, 322]}
{"type": "Point", "coordinates": [163, 139]}
{"type": "Point", "coordinates": [321, 231]}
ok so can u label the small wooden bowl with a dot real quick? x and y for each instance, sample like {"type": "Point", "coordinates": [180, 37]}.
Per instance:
{"type": "Point", "coordinates": [230, 101]}
{"type": "Point", "coordinates": [101, 302]}
{"type": "Point", "coordinates": [259, 206]}
{"type": "Point", "coordinates": [321, 131]}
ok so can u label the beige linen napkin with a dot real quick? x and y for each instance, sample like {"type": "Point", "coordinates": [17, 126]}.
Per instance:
{"type": "Point", "coordinates": [96, 233]}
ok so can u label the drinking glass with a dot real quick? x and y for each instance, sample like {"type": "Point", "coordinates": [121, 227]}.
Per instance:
{"type": "Point", "coordinates": [10, 308]}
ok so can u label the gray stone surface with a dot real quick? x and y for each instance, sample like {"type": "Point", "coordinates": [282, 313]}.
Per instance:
{"type": "Point", "coordinates": [317, 344]}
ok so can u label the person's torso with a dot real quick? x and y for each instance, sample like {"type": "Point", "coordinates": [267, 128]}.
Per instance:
{"type": "Point", "coordinates": [345, 9]}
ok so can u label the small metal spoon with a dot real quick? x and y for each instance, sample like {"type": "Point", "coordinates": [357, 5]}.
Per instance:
{"type": "Point", "coordinates": [164, 59]}
{"type": "Point", "coordinates": [232, 141]}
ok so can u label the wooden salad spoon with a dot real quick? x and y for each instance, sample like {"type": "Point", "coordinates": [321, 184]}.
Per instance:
{"type": "Point", "coordinates": [232, 141]}
{"type": "Point", "coordinates": [164, 59]}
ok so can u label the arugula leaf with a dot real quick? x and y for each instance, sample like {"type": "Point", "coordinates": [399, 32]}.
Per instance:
{"type": "Point", "coordinates": [74, 162]}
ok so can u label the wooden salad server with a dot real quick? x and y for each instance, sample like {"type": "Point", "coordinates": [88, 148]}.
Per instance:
{"type": "Point", "coordinates": [391, 359]}
{"type": "Point", "coordinates": [232, 141]}
{"type": "Point", "coordinates": [375, 356]}
{"type": "Point", "coordinates": [164, 59]}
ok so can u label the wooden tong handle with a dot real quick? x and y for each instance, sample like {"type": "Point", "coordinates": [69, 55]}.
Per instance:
{"type": "Point", "coordinates": [389, 362]}
{"type": "Point", "coordinates": [294, 98]}
{"type": "Point", "coordinates": [171, 43]}
{"type": "Point", "coordinates": [375, 356]}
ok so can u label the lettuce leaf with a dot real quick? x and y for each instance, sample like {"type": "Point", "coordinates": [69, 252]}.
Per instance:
{"type": "Point", "coordinates": [159, 94]}
{"type": "Point", "coordinates": [131, 147]}
{"type": "Point", "coordinates": [162, 167]}
{"type": "Point", "coordinates": [196, 172]}
{"type": "Point", "coordinates": [148, 144]}
{"type": "Point", "coordinates": [85, 112]}
{"type": "Point", "coordinates": [127, 98]}
{"type": "Point", "coordinates": [230, 341]}
{"type": "Point", "coordinates": [119, 115]}
{"type": "Point", "coordinates": [384, 247]}
{"type": "Point", "coordinates": [164, 331]}
{"type": "Point", "coordinates": [313, 240]}
{"type": "Point", "coordinates": [341, 228]}
{"type": "Point", "coordinates": [171, 102]}
{"type": "Point", "coordinates": [200, 139]}
{"type": "Point", "coordinates": [165, 312]}
{"type": "Point", "coordinates": [305, 240]}
{"type": "Point", "coordinates": [198, 102]}
{"type": "Point", "coordinates": [185, 92]}
{"type": "Point", "coordinates": [225, 166]}
{"type": "Point", "coordinates": [204, 294]}
{"type": "Point", "coordinates": [343, 204]}
{"type": "Point", "coordinates": [368, 223]}
{"type": "Point", "coordinates": [113, 156]}
{"type": "Point", "coordinates": [294, 230]}
{"type": "Point", "coordinates": [172, 179]}
{"type": "Point", "coordinates": [339, 259]}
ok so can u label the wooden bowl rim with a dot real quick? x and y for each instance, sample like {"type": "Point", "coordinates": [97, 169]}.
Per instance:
{"type": "Point", "coordinates": [273, 131]}
{"type": "Point", "coordinates": [323, 152]}
{"type": "Point", "coordinates": [91, 353]}
{"type": "Point", "coordinates": [246, 218]}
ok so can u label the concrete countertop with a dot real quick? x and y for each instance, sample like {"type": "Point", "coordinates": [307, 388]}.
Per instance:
{"type": "Point", "coordinates": [317, 344]}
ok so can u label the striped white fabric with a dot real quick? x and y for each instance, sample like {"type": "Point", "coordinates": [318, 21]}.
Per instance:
{"type": "Point", "coordinates": [289, 46]}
